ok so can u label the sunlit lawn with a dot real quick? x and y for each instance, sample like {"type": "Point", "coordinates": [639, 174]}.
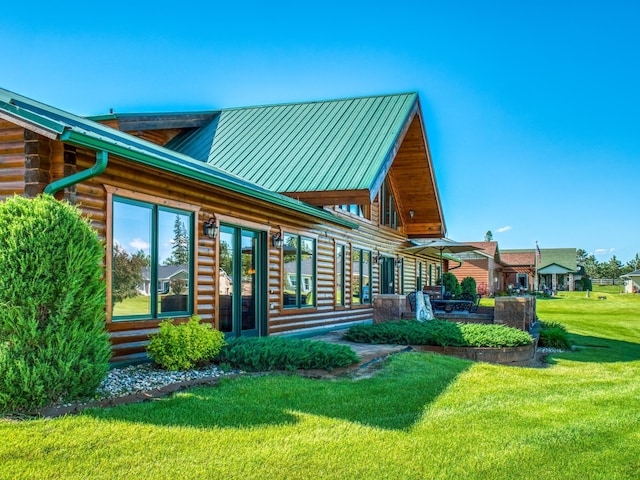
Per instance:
{"type": "Point", "coordinates": [422, 416]}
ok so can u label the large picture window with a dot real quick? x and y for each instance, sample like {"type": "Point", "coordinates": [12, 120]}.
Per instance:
{"type": "Point", "coordinates": [299, 279]}
{"type": "Point", "coordinates": [151, 260]}
{"type": "Point", "coordinates": [361, 277]}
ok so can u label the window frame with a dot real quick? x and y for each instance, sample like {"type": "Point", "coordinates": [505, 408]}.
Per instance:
{"type": "Point", "coordinates": [297, 277]}
{"type": "Point", "coordinates": [360, 284]}
{"type": "Point", "coordinates": [340, 270]}
{"type": "Point", "coordinates": [131, 197]}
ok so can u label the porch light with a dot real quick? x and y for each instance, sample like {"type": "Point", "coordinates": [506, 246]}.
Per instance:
{"type": "Point", "coordinates": [411, 213]}
{"type": "Point", "coordinates": [210, 228]}
{"type": "Point", "coordinates": [377, 258]}
{"type": "Point", "coordinates": [277, 241]}
{"type": "Point", "coordinates": [398, 261]}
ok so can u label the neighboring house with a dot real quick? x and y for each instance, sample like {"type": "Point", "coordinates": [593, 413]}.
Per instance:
{"type": "Point", "coordinates": [344, 184]}
{"type": "Point", "coordinates": [166, 274]}
{"type": "Point", "coordinates": [554, 268]}
{"type": "Point", "coordinates": [631, 282]}
{"type": "Point", "coordinates": [483, 265]}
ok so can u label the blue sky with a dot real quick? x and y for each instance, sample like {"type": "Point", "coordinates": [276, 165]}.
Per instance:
{"type": "Point", "coordinates": [531, 108]}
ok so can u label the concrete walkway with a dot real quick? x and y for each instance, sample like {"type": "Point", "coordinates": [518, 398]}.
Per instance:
{"type": "Point", "coordinates": [366, 351]}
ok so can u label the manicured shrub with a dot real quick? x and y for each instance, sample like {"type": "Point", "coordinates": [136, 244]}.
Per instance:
{"type": "Point", "coordinates": [53, 345]}
{"type": "Point", "coordinates": [451, 284]}
{"type": "Point", "coordinates": [281, 353]}
{"type": "Point", "coordinates": [468, 285]}
{"type": "Point", "coordinates": [554, 335]}
{"type": "Point", "coordinates": [438, 332]}
{"type": "Point", "coordinates": [478, 335]}
{"type": "Point", "coordinates": [185, 346]}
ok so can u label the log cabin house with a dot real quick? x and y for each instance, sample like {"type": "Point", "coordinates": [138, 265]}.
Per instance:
{"type": "Point", "coordinates": [282, 219]}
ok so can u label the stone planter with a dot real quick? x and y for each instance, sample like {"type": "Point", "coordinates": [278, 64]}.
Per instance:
{"type": "Point", "coordinates": [503, 356]}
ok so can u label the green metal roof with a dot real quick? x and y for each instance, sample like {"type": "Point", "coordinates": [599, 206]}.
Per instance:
{"type": "Point", "coordinates": [75, 130]}
{"type": "Point", "coordinates": [304, 147]}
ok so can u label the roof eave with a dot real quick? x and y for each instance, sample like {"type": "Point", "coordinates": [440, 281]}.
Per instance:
{"type": "Point", "coordinates": [156, 161]}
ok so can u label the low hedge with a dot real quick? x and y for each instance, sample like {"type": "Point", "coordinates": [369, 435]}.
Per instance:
{"type": "Point", "coordinates": [439, 333]}
{"type": "Point", "coordinates": [553, 335]}
{"type": "Point", "coordinates": [279, 353]}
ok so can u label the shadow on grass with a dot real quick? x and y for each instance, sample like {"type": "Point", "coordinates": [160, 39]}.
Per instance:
{"type": "Point", "coordinates": [394, 398]}
{"type": "Point", "coordinates": [598, 350]}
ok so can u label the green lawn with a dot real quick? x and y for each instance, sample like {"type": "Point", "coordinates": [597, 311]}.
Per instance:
{"type": "Point", "coordinates": [422, 416]}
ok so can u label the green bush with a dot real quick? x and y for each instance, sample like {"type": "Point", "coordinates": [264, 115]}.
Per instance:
{"type": "Point", "coordinates": [280, 353]}
{"type": "Point", "coordinates": [439, 333]}
{"type": "Point", "coordinates": [468, 285]}
{"type": "Point", "coordinates": [451, 284]}
{"type": "Point", "coordinates": [553, 335]}
{"type": "Point", "coordinates": [586, 284]}
{"type": "Point", "coordinates": [185, 346]}
{"type": "Point", "coordinates": [53, 345]}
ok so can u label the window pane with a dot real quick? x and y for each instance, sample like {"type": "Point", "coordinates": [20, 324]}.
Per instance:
{"type": "Point", "coordinates": [366, 277]}
{"type": "Point", "coordinates": [307, 271]}
{"type": "Point", "coordinates": [289, 279]}
{"type": "Point", "coordinates": [340, 275]}
{"type": "Point", "coordinates": [131, 286]}
{"type": "Point", "coordinates": [174, 253]}
{"type": "Point", "coordinates": [249, 252]}
{"type": "Point", "coordinates": [355, 277]}
{"type": "Point", "coordinates": [225, 280]}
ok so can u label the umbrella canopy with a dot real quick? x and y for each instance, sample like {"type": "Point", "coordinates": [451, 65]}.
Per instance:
{"type": "Point", "coordinates": [440, 246]}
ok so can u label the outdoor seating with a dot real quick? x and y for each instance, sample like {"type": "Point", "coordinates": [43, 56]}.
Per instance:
{"type": "Point", "coordinates": [465, 302]}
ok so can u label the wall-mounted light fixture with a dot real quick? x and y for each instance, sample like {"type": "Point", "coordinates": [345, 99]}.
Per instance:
{"type": "Point", "coordinates": [411, 213]}
{"type": "Point", "coordinates": [277, 241]}
{"type": "Point", "coordinates": [398, 261]}
{"type": "Point", "coordinates": [377, 258]}
{"type": "Point", "coordinates": [210, 228]}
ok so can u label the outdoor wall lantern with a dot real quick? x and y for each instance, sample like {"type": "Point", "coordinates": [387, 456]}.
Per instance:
{"type": "Point", "coordinates": [277, 240]}
{"type": "Point", "coordinates": [378, 258]}
{"type": "Point", "coordinates": [411, 213]}
{"type": "Point", "coordinates": [210, 228]}
{"type": "Point", "coordinates": [398, 261]}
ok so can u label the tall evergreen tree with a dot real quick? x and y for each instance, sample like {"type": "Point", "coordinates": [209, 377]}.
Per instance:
{"type": "Point", "coordinates": [180, 247]}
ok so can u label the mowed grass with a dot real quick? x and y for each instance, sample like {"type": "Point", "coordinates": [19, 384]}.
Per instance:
{"type": "Point", "coordinates": [421, 416]}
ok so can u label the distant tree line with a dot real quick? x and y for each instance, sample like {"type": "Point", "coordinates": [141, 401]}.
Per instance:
{"type": "Point", "coordinates": [612, 268]}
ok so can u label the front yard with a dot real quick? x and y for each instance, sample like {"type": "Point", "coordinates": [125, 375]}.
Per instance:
{"type": "Point", "coordinates": [421, 416]}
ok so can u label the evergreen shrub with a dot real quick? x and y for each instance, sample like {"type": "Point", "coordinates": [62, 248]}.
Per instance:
{"type": "Point", "coordinates": [468, 285]}
{"type": "Point", "coordinates": [554, 335]}
{"type": "Point", "coordinates": [451, 284]}
{"type": "Point", "coordinates": [185, 346]}
{"type": "Point", "coordinates": [53, 345]}
{"type": "Point", "coordinates": [280, 353]}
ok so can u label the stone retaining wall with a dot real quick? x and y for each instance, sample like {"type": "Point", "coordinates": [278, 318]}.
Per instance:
{"type": "Point", "coordinates": [503, 356]}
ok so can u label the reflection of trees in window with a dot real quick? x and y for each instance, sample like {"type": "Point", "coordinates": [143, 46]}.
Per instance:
{"type": "Point", "coordinates": [299, 277]}
{"type": "Point", "coordinates": [180, 243]}
{"type": "Point", "coordinates": [127, 273]}
{"type": "Point", "coordinates": [151, 259]}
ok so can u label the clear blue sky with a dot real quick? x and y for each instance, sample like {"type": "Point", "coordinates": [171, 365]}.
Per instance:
{"type": "Point", "coordinates": [532, 109]}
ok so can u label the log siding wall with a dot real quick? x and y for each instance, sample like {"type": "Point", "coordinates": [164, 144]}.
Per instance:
{"type": "Point", "coordinates": [26, 168]}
